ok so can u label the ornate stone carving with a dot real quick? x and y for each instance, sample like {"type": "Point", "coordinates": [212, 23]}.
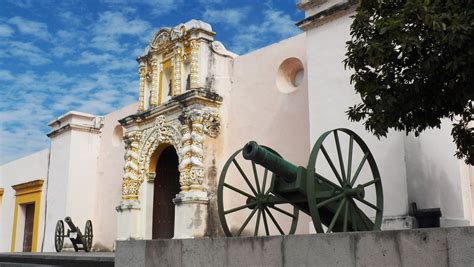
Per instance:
{"type": "Point", "coordinates": [194, 64]}
{"type": "Point", "coordinates": [160, 38]}
{"type": "Point", "coordinates": [178, 60]}
{"type": "Point", "coordinates": [161, 132]}
{"type": "Point", "coordinates": [150, 177]}
{"type": "Point", "coordinates": [141, 98]}
{"type": "Point", "coordinates": [166, 35]}
{"type": "Point", "coordinates": [154, 83]}
{"type": "Point", "coordinates": [186, 155]}
{"type": "Point", "coordinates": [131, 179]}
{"type": "Point", "coordinates": [196, 123]}
{"type": "Point", "coordinates": [211, 123]}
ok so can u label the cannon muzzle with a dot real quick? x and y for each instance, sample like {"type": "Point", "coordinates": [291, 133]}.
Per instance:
{"type": "Point", "coordinates": [70, 223]}
{"type": "Point", "coordinates": [270, 160]}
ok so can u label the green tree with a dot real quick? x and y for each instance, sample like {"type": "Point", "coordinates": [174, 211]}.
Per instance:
{"type": "Point", "coordinates": [413, 64]}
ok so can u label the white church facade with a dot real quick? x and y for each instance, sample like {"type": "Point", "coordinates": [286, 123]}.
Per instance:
{"type": "Point", "coordinates": [150, 170]}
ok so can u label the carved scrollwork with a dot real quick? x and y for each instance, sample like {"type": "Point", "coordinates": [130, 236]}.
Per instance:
{"type": "Point", "coordinates": [160, 38]}
{"type": "Point", "coordinates": [194, 63]}
{"type": "Point", "coordinates": [211, 123]}
{"type": "Point", "coordinates": [161, 132]}
{"type": "Point", "coordinates": [131, 179]}
{"type": "Point", "coordinates": [166, 35]}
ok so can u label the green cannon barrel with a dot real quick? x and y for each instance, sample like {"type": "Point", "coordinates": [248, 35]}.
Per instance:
{"type": "Point", "coordinates": [271, 161]}
{"type": "Point", "coordinates": [69, 222]}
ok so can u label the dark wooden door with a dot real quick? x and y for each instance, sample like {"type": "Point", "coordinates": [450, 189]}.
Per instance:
{"type": "Point", "coordinates": [165, 189]}
{"type": "Point", "coordinates": [28, 232]}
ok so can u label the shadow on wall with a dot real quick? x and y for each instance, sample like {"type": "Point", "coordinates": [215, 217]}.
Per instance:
{"type": "Point", "coordinates": [430, 184]}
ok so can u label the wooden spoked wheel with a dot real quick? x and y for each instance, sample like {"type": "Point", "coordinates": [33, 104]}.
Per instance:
{"type": "Point", "coordinates": [88, 236]}
{"type": "Point", "coordinates": [59, 236]}
{"type": "Point", "coordinates": [256, 199]}
{"type": "Point", "coordinates": [342, 209]}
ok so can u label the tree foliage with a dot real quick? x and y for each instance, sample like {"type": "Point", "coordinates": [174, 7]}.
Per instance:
{"type": "Point", "coordinates": [413, 63]}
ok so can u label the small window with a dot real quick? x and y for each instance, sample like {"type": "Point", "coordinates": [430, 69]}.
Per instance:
{"type": "Point", "coordinates": [290, 75]}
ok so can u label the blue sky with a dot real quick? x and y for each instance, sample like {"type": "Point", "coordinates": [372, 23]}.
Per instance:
{"type": "Point", "coordinates": [57, 56]}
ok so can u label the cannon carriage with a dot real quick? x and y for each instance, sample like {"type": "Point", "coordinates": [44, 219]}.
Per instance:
{"type": "Point", "coordinates": [335, 204]}
{"type": "Point", "coordinates": [79, 240]}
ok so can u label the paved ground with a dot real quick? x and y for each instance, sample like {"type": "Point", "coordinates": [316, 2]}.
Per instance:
{"type": "Point", "coordinates": [73, 259]}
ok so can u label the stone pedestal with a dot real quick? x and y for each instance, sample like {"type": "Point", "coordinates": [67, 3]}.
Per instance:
{"type": "Point", "coordinates": [420, 247]}
{"type": "Point", "coordinates": [128, 220]}
{"type": "Point", "coordinates": [190, 214]}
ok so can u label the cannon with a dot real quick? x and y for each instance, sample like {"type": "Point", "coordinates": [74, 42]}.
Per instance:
{"type": "Point", "coordinates": [79, 241]}
{"type": "Point", "coordinates": [336, 200]}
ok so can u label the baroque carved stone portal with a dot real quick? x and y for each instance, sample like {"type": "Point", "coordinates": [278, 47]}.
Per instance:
{"type": "Point", "coordinates": [186, 134]}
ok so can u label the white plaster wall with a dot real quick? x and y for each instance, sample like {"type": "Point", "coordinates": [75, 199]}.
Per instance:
{"type": "Point", "coordinates": [330, 95]}
{"type": "Point", "coordinates": [29, 168]}
{"type": "Point", "coordinates": [434, 175]}
{"type": "Point", "coordinates": [82, 187]}
{"type": "Point", "coordinates": [109, 179]}
{"type": "Point", "coordinates": [254, 109]}
{"type": "Point", "coordinates": [57, 186]}
{"type": "Point", "coordinates": [73, 175]}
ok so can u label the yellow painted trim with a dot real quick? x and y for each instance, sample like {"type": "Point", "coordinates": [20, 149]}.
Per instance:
{"type": "Point", "coordinates": [160, 90]}
{"type": "Point", "coordinates": [27, 193]}
{"type": "Point", "coordinates": [166, 64]}
{"type": "Point", "coordinates": [156, 155]}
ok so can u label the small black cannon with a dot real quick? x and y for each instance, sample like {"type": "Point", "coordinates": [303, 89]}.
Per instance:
{"type": "Point", "coordinates": [74, 234]}
{"type": "Point", "coordinates": [334, 205]}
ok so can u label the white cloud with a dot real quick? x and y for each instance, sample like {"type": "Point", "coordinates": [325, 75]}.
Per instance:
{"type": "Point", "coordinates": [115, 23]}
{"type": "Point", "coordinates": [111, 26]}
{"type": "Point", "coordinates": [275, 23]}
{"type": "Point", "coordinates": [5, 31]}
{"type": "Point", "coordinates": [70, 18]}
{"type": "Point", "coordinates": [229, 16]}
{"type": "Point", "coordinates": [279, 23]}
{"type": "Point", "coordinates": [210, 2]}
{"type": "Point", "coordinates": [30, 27]}
{"type": "Point", "coordinates": [22, 3]}
{"type": "Point", "coordinates": [61, 51]}
{"type": "Point", "coordinates": [88, 57]}
{"type": "Point", "coordinates": [6, 75]}
{"type": "Point", "coordinates": [25, 52]}
{"type": "Point", "coordinates": [157, 7]}
{"type": "Point", "coordinates": [161, 7]}
{"type": "Point", "coordinates": [66, 35]}
{"type": "Point", "coordinates": [104, 61]}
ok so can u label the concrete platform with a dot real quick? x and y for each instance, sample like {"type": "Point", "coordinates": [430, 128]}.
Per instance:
{"type": "Point", "coordinates": [417, 247]}
{"type": "Point", "coordinates": [70, 259]}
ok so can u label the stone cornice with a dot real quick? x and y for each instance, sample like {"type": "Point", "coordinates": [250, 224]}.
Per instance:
{"type": "Point", "coordinates": [306, 4]}
{"type": "Point", "coordinates": [70, 114]}
{"type": "Point", "coordinates": [28, 187]}
{"type": "Point", "coordinates": [71, 126]}
{"type": "Point", "coordinates": [179, 102]}
{"type": "Point", "coordinates": [327, 15]}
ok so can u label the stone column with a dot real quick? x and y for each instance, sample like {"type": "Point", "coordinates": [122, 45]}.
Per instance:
{"type": "Point", "coordinates": [194, 64]}
{"type": "Point", "coordinates": [141, 98]}
{"type": "Point", "coordinates": [196, 175]}
{"type": "Point", "coordinates": [178, 61]}
{"type": "Point", "coordinates": [186, 154]}
{"type": "Point", "coordinates": [191, 203]}
{"type": "Point", "coordinates": [129, 208]}
{"type": "Point", "coordinates": [154, 83]}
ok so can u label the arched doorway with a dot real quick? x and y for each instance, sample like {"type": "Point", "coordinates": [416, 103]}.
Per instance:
{"type": "Point", "coordinates": [165, 189]}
